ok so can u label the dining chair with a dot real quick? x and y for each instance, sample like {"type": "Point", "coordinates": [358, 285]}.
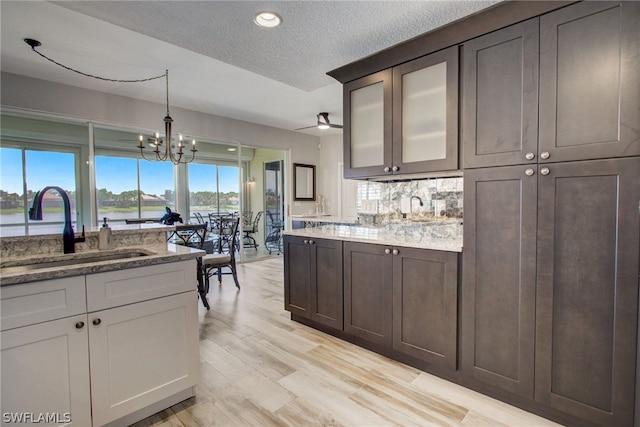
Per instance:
{"type": "Point", "coordinates": [247, 217]}
{"type": "Point", "coordinates": [198, 217]}
{"type": "Point", "coordinates": [225, 254]}
{"type": "Point", "coordinates": [273, 240]}
{"type": "Point", "coordinates": [194, 236]}
{"type": "Point", "coordinates": [252, 228]}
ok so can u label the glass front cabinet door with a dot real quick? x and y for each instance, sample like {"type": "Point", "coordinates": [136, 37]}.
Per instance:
{"type": "Point", "coordinates": [367, 127]}
{"type": "Point", "coordinates": [403, 120]}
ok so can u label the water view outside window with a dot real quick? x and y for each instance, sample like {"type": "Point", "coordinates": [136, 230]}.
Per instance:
{"type": "Point", "coordinates": [129, 188]}
{"type": "Point", "coordinates": [41, 169]}
{"type": "Point", "coordinates": [213, 189]}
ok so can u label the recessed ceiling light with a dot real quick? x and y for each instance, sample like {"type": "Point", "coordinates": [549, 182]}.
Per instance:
{"type": "Point", "coordinates": [267, 19]}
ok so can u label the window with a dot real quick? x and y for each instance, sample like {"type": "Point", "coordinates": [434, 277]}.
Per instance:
{"type": "Point", "coordinates": [130, 188]}
{"type": "Point", "coordinates": [213, 189]}
{"type": "Point", "coordinates": [23, 168]}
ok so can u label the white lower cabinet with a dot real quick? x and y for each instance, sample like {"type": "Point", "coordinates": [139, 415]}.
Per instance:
{"type": "Point", "coordinates": [142, 353]}
{"type": "Point", "coordinates": [112, 366]}
{"type": "Point", "coordinates": [45, 373]}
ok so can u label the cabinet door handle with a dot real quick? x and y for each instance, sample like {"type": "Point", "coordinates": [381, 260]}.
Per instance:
{"type": "Point", "coordinates": [545, 155]}
{"type": "Point", "coordinates": [387, 251]}
{"type": "Point", "coordinates": [530, 156]}
{"type": "Point", "coordinates": [387, 169]}
{"type": "Point", "coordinates": [79, 325]}
{"type": "Point", "coordinates": [395, 168]}
{"type": "Point", "coordinates": [96, 322]}
{"type": "Point", "coordinates": [544, 171]}
{"type": "Point", "coordinates": [529, 172]}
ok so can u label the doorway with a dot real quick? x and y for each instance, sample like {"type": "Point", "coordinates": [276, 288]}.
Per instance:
{"type": "Point", "coordinates": [265, 196]}
{"type": "Point", "coordinates": [274, 206]}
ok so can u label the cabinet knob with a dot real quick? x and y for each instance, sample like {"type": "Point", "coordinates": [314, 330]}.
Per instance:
{"type": "Point", "coordinates": [96, 322]}
{"type": "Point", "coordinates": [544, 171]}
{"type": "Point", "coordinates": [387, 169]}
{"type": "Point", "coordinates": [311, 242]}
{"type": "Point", "coordinates": [529, 156]}
{"type": "Point", "coordinates": [396, 252]}
{"type": "Point", "coordinates": [529, 172]}
{"type": "Point", "coordinates": [79, 325]}
{"type": "Point", "coordinates": [306, 241]}
{"type": "Point", "coordinates": [387, 251]}
{"type": "Point", "coordinates": [395, 168]}
{"type": "Point", "coordinates": [545, 155]}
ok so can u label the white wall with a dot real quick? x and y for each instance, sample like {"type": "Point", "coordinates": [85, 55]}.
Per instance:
{"type": "Point", "coordinates": [340, 194]}
{"type": "Point", "coordinates": [329, 172]}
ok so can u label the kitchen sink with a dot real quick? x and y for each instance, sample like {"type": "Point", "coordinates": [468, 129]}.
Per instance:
{"type": "Point", "coordinates": [18, 266]}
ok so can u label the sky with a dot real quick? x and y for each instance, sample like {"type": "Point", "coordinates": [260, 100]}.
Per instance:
{"type": "Point", "coordinates": [117, 174]}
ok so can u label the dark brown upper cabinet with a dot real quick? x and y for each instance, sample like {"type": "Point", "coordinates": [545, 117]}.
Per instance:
{"type": "Point", "coordinates": [500, 97]}
{"type": "Point", "coordinates": [367, 125]}
{"type": "Point", "coordinates": [403, 120]}
{"type": "Point", "coordinates": [586, 106]}
{"type": "Point", "coordinates": [589, 85]}
{"type": "Point", "coordinates": [425, 114]}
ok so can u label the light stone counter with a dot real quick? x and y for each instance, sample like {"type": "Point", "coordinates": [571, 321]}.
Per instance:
{"type": "Point", "coordinates": [149, 239]}
{"type": "Point", "coordinates": [379, 236]}
{"type": "Point", "coordinates": [323, 219]}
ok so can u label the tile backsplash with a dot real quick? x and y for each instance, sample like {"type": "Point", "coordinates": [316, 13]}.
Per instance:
{"type": "Point", "coordinates": [432, 206]}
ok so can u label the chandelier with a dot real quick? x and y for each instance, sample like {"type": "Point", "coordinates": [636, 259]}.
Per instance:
{"type": "Point", "coordinates": [163, 149]}
{"type": "Point", "coordinates": [173, 153]}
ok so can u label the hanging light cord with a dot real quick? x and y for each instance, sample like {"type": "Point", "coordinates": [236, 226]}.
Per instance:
{"type": "Point", "coordinates": [176, 157]}
{"type": "Point", "coordinates": [35, 43]}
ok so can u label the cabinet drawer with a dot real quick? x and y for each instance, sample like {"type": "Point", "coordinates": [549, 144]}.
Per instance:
{"type": "Point", "coordinates": [115, 288]}
{"type": "Point", "coordinates": [36, 302]}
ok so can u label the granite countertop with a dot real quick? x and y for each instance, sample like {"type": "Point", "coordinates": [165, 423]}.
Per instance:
{"type": "Point", "coordinates": [379, 236]}
{"type": "Point", "coordinates": [323, 218]}
{"type": "Point", "coordinates": [13, 270]}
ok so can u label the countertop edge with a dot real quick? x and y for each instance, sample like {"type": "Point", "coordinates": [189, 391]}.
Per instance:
{"type": "Point", "coordinates": [174, 253]}
{"type": "Point", "coordinates": [448, 245]}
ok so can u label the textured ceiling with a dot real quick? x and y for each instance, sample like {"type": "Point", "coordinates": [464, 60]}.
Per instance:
{"type": "Point", "coordinates": [220, 62]}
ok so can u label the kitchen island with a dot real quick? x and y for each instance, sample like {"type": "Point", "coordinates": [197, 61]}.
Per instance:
{"type": "Point", "coordinates": [98, 337]}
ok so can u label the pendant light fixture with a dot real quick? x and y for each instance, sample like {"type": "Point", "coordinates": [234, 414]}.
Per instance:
{"type": "Point", "coordinates": [162, 146]}
{"type": "Point", "coordinates": [175, 154]}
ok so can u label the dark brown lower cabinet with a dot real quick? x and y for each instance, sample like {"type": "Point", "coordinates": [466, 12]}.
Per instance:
{"type": "Point", "coordinates": [404, 299]}
{"type": "Point", "coordinates": [587, 289]}
{"type": "Point", "coordinates": [368, 272]}
{"type": "Point", "coordinates": [550, 271]}
{"type": "Point", "coordinates": [425, 305]}
{"type": "Point", "coordinates": [313, 279]}
{"type": "Point", "coordinates": [499, 277]}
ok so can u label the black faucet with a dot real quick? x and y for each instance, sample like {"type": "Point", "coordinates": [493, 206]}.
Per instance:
{"type": "Point", "coordinates": [35, 214]}
{"type": "Point", "coordinates": [411, 204]}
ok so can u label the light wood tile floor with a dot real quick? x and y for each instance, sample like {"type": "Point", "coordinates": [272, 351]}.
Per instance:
{"type": "Point", "coordinates": [259, 368]}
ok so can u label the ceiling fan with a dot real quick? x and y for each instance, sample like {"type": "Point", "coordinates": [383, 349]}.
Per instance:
{"type": "Point", "coordinates": [323, 123]}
